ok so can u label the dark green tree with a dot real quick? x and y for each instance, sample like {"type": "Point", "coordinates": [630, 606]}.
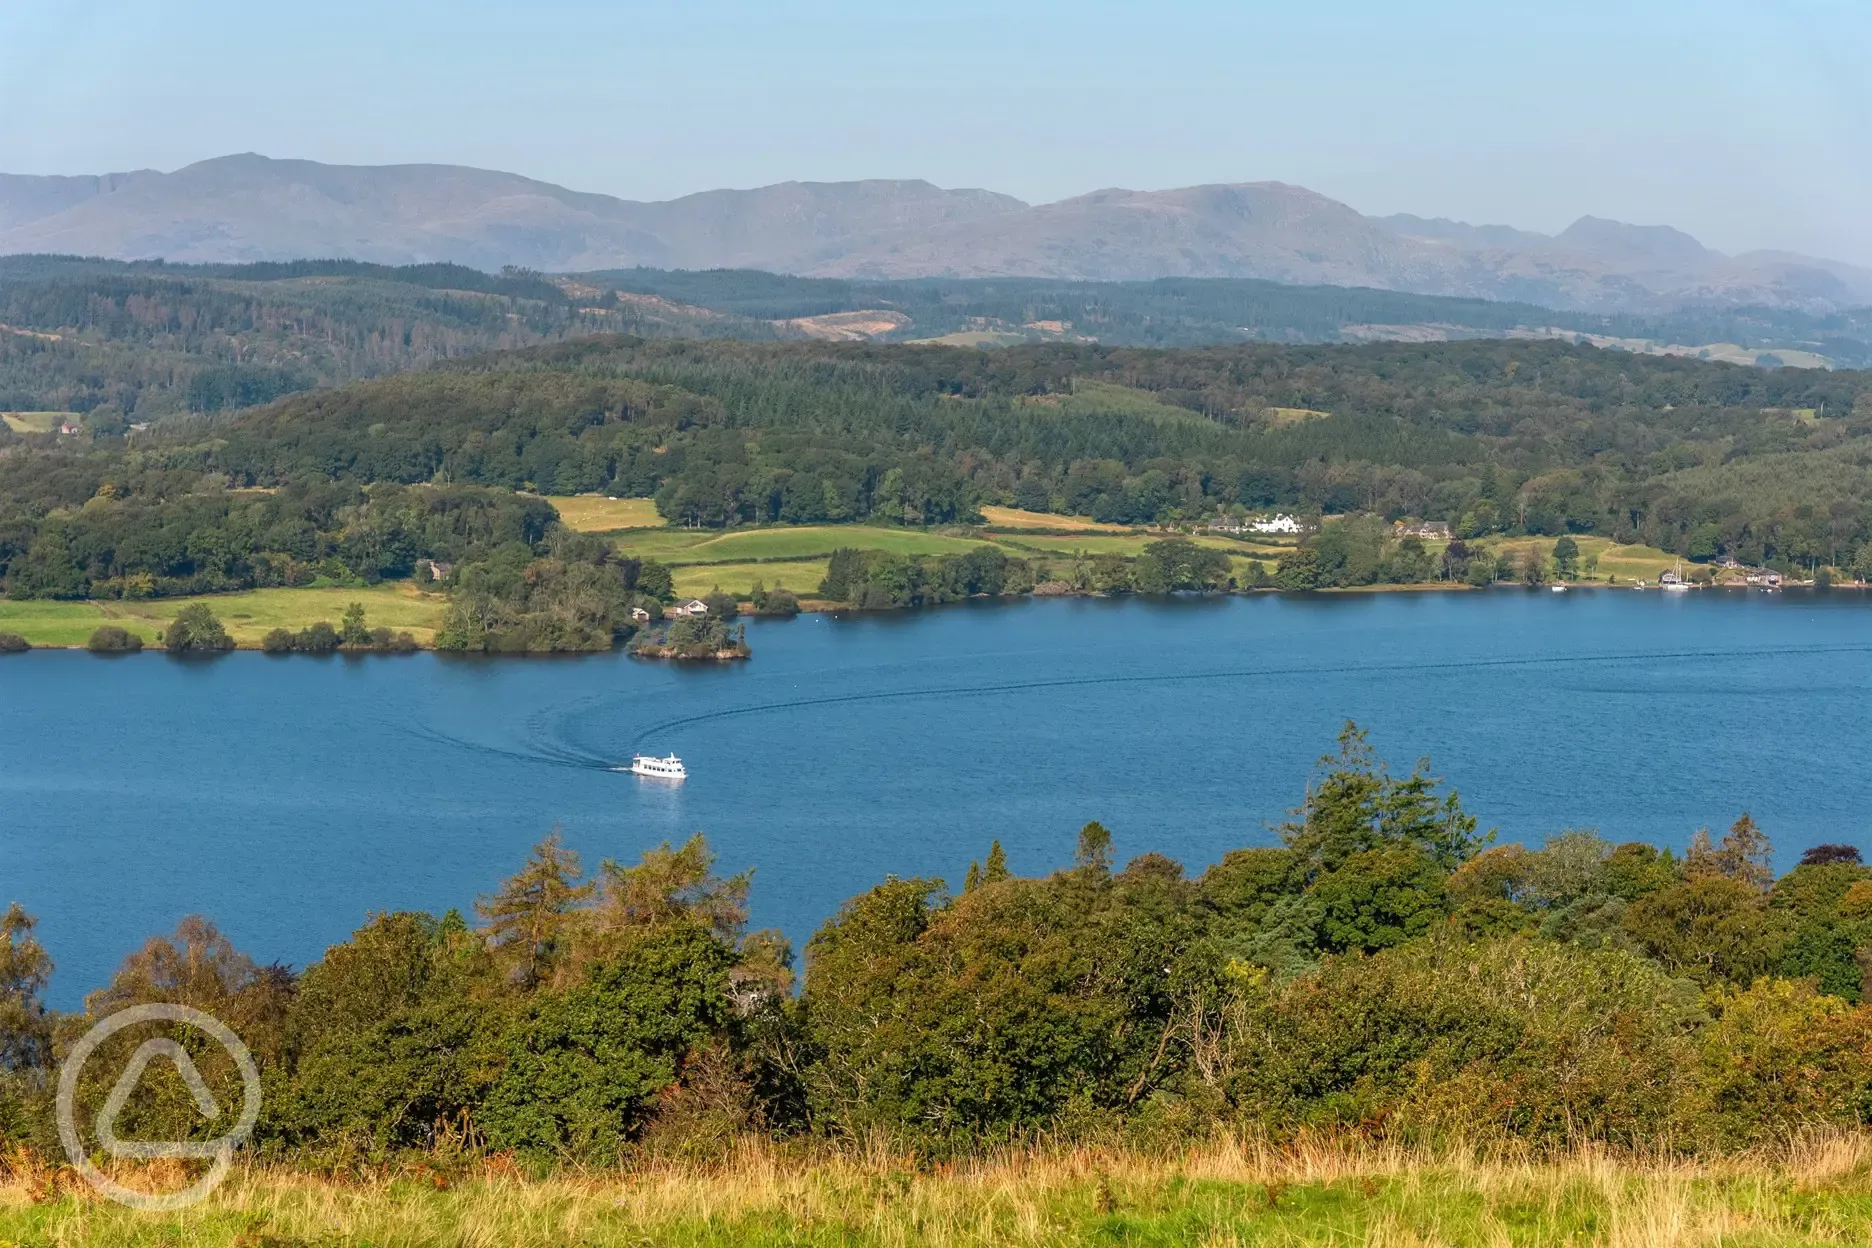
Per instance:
{"type": "Point", "coordinates": [353, 630]}
{"type": "Point", "coordinates": [197, 631]}
{"type": "Point", "coordinates": [1566, 558]}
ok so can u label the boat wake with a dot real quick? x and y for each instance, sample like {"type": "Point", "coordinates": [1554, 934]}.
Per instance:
{"type": "Point", "coordinates": [663, 727]}
{"type": "Point", "coordinates": [547, 737]}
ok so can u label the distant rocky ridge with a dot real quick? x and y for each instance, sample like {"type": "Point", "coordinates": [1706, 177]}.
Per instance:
{"type": "Point", "coordinates": [247, 208]}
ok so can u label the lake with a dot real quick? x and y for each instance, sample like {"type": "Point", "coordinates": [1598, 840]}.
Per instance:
{"type": "Point", "coordinates": [287, 797]}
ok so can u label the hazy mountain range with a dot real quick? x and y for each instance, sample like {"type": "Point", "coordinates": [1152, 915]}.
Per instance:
{"type": "Point", "coordinates": [247, 208]}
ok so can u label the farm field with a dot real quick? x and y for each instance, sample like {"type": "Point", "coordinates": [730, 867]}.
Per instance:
{"type": "Point", "coordinates": [802, 576]}
{"type": "Point", "coordinates": [1214, 1195]}
{"type": "Point", "coordinates": [1623, 563]}
{"type": "Point", "coordinates": [248, 616]}
{"type": "Point", "coordinates": [1279, 416]}
{"type": "Point", "coordinates": [1053, 544]}
{"type": "Point", "coordinates": [679, 546]}
{"type": "Point", "coordinates": [594, 513]}
{"type": "Point", "coordinates": [1014, 518]}
{"type": "Point", "coordinates": [35, 422]}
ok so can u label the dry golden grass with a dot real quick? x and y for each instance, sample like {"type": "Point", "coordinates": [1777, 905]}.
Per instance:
{"type": "Point", "coordinates": [35, 422]}
{"type": "Point", "coordinates": [1224, 1193]}
{"type": "Point", "coordinates": [595, 513]}
{"type": "Point", "coordinates": [1278, 416]}
{"type": "Point", "coordinates": [1014, 518]}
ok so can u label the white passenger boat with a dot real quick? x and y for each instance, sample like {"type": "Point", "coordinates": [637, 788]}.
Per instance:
{"type": "Point", "coordinates": [670, 768]}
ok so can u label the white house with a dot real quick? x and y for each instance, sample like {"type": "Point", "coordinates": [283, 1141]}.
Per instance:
{"type": "Point", "coordinates": [640, 615]}
{"type": "Point", "coordinates": [695, 606]}
{"type": "Point", "coordinates": [1279, 524]}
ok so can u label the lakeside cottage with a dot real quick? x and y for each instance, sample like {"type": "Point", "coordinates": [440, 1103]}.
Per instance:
{"type": "Point", "coordinates": [1279, 524]}
{"type": "Point", "coordinates": [1428, 530]}
{"type": "Point", "coordinates": [695, 607]}
{"type": "Point", "coordinates": [639, 615]}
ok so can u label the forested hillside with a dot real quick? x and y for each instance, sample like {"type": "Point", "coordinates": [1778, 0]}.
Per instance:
{"type": "Point", "coordinates": [1490, 436]}
{"type": "Point", "coordinates": [106, 345]}
{"type": "Point", "coordinates": [120, 344]}
{"type": "Point", "coordinates": [1494, 437]}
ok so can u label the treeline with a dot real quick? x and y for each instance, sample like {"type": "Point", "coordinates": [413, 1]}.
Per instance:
{"type": "Point", "coordinates": [159, 534]}
{"type": "Point", "coordinates": [876, 580]}
{"type": "Point", "coordinates": [1383, 969]}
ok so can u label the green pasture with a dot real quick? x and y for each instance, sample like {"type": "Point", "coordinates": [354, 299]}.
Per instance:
{"type": "Point", "coordinates": [678, 546]}
{"type": "Point", "coordinates": [248, 616]}
{"type": "Point", "coordinates": [1622, 563]}
{"type": "Point", "coordinates": [802, 576]}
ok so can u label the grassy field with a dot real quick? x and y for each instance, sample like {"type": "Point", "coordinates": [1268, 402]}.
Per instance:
{"type": "Point", "coordinates": [1294, 415]}
{"type": "Point", "coordinates": [35, 422]}
{"type": "Point", "coordinates": [247, 616]}
{"type": "Point", "coordinates": [1056, 544]}
{"type": "Point", "coordinates": [1623, 563]}
{"type": "Point", "coordinates": [1820, 1194]}
{"type": "Point", "coordinates": [1014, 518]}
{"type": "Point", "coordinates": [679, 546]}
{"type": "Point", "coordinates": [801, 576]}
{"type": "Point", "coordinates": [594, 513]}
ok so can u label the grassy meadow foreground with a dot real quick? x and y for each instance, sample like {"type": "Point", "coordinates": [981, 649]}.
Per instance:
{"type": "Point", "coordinates": [1224, 1193]}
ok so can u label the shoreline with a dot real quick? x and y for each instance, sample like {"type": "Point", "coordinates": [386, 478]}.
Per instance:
{"type": "Point", "coordinates": [822, 606]}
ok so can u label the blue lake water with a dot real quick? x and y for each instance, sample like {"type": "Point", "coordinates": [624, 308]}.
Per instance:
{"type": "Point", "coordinates": [286, 798]}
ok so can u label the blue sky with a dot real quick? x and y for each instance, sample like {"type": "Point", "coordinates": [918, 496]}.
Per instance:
{"type": "Point", "coordinates": [1746, 122]}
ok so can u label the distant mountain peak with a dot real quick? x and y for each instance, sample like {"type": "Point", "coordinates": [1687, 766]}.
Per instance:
{"type": "Point", "coordinates": [1651, 242]}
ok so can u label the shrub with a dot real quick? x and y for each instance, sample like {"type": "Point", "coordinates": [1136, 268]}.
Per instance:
{"type": "Point", "coordinates": [319, 638]}
{"type": "Point", "coordinates": [111, 639]}
{"type": "Point", "coordinates": [1780, 1058]}
{"type": "Point", "coordinates": [584, 1071]}
{"type": "Point", "coordinates": [1443, 1039]}
{"type": "Point", "coordinates": [778, 601]}
{"type": "Point", "coordinates": [1012, 1008]}
{"type": "Point", "coordinates": [13, 643]}
{"type": "Point", "coordinates": [197, 631]}
{"type": "Point", "coordinates": [279, 641]}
